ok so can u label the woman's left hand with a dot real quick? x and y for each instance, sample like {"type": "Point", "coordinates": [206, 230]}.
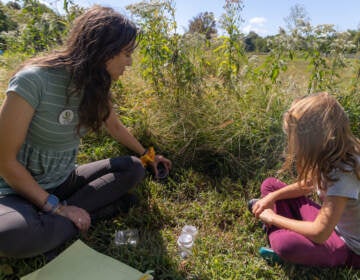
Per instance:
{"type": "Point", "coordinates": [163, 160]}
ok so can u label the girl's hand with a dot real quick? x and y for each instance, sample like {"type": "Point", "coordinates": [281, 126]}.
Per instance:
{"type": "Point", "coordinates": [77, 215]}
{"type": "Point", "coordinates": [159, 159]}
{"type": "Point", "coordinates": [262, 204]}
{"type": "Point", "coordinates": [267, 216]}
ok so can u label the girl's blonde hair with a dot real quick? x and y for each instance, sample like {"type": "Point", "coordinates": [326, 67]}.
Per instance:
{"type": "Point", "coordinates": [319, 139]}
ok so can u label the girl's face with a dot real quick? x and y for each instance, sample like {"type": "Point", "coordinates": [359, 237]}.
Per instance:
{"type": "Point", "coordinates": [116, 65]}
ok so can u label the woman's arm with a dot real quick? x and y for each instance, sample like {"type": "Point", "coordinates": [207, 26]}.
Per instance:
{"type": "Point", "coordinates": [15, 117]}
{"type": "Point", "coordinates": [318, 230]}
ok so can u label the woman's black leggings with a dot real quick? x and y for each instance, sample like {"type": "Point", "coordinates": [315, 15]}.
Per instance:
{"type": "Point", "coordinates": [25, 231]}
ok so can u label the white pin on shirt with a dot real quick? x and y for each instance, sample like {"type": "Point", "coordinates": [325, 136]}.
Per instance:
{"type": "Point", "coordinates": [66, 117]}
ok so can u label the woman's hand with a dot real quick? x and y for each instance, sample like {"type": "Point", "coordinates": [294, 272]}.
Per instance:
{"type": "Point", "coordinates": [262, 204]}
{"type": "Point", "coordinates": [77, 215]}
{"type": "Point", "coordinates": [159, 159]}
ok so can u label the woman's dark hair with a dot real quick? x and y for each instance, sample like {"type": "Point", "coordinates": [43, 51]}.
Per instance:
{"type": "Point", "coordinates": [97, 36]}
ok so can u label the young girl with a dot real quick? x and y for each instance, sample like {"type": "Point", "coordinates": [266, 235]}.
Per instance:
{"type": "Point", "coordinates": [325, 154]}
{"type": "Point", "coordinates": [51, 102]}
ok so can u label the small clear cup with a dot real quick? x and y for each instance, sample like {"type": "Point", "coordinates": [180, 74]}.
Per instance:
{"type": "Point", "coordinates": [185, 243]}
{"type": "Point", "coordinates": [189, 229]}
{"type": "Point", "coordinates": [126, 237]}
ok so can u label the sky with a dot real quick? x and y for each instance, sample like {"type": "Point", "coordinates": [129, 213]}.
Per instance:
{"type": "Point", "coordinates": [261, 16]}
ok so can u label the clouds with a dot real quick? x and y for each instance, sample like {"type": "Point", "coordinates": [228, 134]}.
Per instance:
{"type": "Point", "coordinates": [257, 25]}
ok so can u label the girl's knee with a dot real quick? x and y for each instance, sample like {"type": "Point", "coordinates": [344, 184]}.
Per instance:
{"type": "Point", "coordinates": [269, 185]}
{"type": "Point", "coordinates": [284, 249]}
{"type": "Point", "coordinates": [291, 246]}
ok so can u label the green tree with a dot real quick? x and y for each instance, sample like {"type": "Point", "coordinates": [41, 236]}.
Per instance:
{"type": "Point", "coordinates": [13, 5]}
{"type": "Point", "coordinates": [39, 28]}
{"type": "Point", "coordinates": [254, 42]}
{"type": "Point", "coordinates": [6, 25]}
{"type": "Point", "coordinates": [262, 45]}
{"type": "Point", "coordinates": [203, 23]}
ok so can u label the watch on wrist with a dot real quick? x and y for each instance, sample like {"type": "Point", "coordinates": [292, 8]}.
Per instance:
{"type": "Point", "coordinates": [51, 203]}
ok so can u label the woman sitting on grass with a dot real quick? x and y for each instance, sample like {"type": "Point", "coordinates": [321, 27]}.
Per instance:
{"type": "Point", "coordinates": [51, 102]}
{"type": "Point", "coordinates": [326, 155]}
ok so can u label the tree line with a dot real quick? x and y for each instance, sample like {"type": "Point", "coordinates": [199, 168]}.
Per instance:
{"type": "Point", "coordinates": [296, 22]}
{"type": "Point", "coordinates": [29, 26]}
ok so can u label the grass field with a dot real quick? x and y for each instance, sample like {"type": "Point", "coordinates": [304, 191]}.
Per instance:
{"type": "Point", "coordinates": [222, 148]}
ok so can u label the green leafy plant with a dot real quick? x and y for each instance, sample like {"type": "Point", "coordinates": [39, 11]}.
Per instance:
{"type": "Point", "coordinates": [231, 53]}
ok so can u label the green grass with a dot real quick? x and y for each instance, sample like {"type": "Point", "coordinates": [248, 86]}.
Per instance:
{"type": "Point", "coordinates": [222, 147]}
{"type": "Point", "coordinates": [226, 247]}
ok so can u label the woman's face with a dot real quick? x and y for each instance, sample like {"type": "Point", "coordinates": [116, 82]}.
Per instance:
{"type": "Point", "coordinates": [116, 65]}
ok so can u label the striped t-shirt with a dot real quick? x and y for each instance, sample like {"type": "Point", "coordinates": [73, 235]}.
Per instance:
{"type": "Point", "coordinates": [50, 148]}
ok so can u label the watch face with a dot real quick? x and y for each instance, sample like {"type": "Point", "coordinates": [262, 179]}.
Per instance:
{"type": "Point", "coordinates": [51, 202]}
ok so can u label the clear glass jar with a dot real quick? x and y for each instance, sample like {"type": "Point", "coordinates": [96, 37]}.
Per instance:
{"type": "Point", "coordinates": [186, 240]}
{"type": "Point", "coordinates": [185, 243]}
{"type": "Point", "coordinates": [126, 237]}
{"type": "Point", "coordinates": [190, 230]}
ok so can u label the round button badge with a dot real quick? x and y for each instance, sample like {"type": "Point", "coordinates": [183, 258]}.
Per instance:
{"type": "Point", "coordinates": [66, 117]}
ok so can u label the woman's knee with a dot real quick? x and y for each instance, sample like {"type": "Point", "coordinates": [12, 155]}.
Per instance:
{"type": "Point", "coordinates": [34, 236]}
{"type": "Point", "coordinates": [13, 228]}
{"type": "Point", "coordinates": [137, 169]}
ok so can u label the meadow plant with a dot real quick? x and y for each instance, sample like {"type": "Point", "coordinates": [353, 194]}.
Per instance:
{"type": "Point", "coordinates": [42, 31]}
{"type": "Point", "coordinates": [324, 49]}
{"type": "Point", "coordinates": [231, 53]}
{"type": "Point", "coordinates": [156, 20]}
{"type": "Point", "coordinates": [268, 72]}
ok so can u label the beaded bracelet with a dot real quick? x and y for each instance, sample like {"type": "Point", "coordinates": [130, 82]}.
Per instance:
{"type": "Point", "coordinates": [148, 156]}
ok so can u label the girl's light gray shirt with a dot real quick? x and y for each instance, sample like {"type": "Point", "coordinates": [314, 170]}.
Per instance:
{"type": "Point", "coordinates": [349, 225]}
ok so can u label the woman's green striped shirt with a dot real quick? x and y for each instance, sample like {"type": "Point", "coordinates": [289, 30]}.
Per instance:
{"type": "Point", "coordinates": [50, 148]}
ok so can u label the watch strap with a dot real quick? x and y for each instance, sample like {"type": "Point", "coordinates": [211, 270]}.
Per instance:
{"type": "Point", "coordinates": [51, 203]}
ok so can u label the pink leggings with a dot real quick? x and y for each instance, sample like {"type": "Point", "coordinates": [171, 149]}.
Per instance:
{"type": "Point", "coordinates": [296, 248]}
